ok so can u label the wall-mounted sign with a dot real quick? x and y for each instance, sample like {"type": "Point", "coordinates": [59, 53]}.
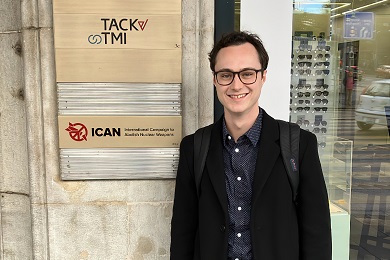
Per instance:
{"type": "Point", "coordinates": [359, 25]}
{"type": "Point", "coordinates": [117, 41]}
{"type": "Point", "coordinates": [119, 132]}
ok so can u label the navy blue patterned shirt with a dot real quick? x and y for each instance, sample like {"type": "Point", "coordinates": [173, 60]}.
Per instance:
{"type": "Point", "coordinates": [240, 161]}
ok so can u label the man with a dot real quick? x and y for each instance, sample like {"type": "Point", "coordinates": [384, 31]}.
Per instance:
{"type": "Point", "coordinates": [245, 208]}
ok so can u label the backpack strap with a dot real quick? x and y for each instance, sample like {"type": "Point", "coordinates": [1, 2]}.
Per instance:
{"type": "Point", "coordinates": [289, 145]}
{"type": "Point", "coordinates": [201, 147]}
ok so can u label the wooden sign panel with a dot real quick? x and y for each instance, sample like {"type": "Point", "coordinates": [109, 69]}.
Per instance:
{"type": "Point", "coordinates": [119, 131]}
{"type": "Point", "coordinates": [117, 6]}
{"type": "Point", "coordinates": [118, 41]}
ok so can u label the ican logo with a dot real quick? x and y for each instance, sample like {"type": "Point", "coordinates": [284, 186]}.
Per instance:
{"type": "Point", "coordinates": [115, 30]}
{"type": "Point", "coordinates": [79, 132]}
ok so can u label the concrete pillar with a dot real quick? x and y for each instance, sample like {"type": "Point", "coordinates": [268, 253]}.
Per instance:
{"type": "Point", "coordinates": [15, 214]}
{"type": "Point", "coordinates": [36, 15]}
{"type": "Point", "coordinates": [197, 40]}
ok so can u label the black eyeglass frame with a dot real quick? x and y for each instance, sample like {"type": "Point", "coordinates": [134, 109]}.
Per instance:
{"type": "Point", "coordinates": [238, 74]}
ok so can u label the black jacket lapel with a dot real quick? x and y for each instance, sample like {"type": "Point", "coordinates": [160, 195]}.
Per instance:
{"type": "Point", "coordinates": [269, 151]}
{"type": "Point", "coordinates": [215, 164]}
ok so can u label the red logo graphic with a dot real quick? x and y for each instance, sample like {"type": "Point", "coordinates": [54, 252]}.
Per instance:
{"type": "Point", "coordinates": [77, 131]}
{"type": "Point", "coordinates": [142, 24]}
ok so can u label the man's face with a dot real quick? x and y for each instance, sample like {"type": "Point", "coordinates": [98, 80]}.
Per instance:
{"type": "Point", "coordinates": [238, 98]}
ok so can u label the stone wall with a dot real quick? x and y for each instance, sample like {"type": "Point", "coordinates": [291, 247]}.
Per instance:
{"type": "Point", "coordinates": [43, 217]}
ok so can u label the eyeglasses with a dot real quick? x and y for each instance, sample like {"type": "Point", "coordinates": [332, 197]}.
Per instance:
{"type": "Point", "coordinates": [317, 123]}
{"type": "Point", "coordinates": [247, 76]}
{"type": "Point", "coordinates": [304, 63]}
{"type": "Point", "coordinates": [301, 86]}
{"type": "Point", "coordinates": [300, 109]}
{"type": "Point", "coordinates": [308, 56]}
{"type": "Point", "coordinates": [317, 130]}
{"type": "Point", "coordinates": [306, 71]}
{"type": "Point", "coordinates": [320, 56]}
{"type": "Point", "coordinates": [300, 94]}
{"type": "Point", "coordinates": [319, 72]}
{"type": "Point", "coordinates": [305, 122]}
{"type": "Point", "coordinates": [303, 47]}
{"type": "Point", "coordinates": [326, 63]}
{"type": "Point", "coordinates": [321, 108]}
{"type": "Point", "coordinates": [325, 86]}
{"type": "Point", "coordinates": [319, 93]}
{"type": "Point", "coordinates": [321, 48]}
{"type": "Point", "coordinates": [319, 101]}
{"type": "Point", "coordinates": [306, 101]}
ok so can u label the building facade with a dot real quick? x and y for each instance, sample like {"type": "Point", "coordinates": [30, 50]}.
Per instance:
{"type": "Point", "coordinates": [46, 217]}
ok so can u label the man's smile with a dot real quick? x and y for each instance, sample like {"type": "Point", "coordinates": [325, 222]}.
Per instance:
{"type": "Point", "coordinates": [238, 96]}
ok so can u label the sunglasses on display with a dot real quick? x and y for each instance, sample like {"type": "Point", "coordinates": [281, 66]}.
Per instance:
{"type": "Point", "coordinates": [301, 94]}
{"type": "Point", "coordinates": [321, 48]}
{"type": "Point", "coordinates": [307, 56]}
{"type": "Point", "coordinates": [325, 86]}
{"type": "Point", "coordinates": [319, 72]}
{"type": "Point", "coordinates": [321, 108]}
{"type": "Point", "coordinates": [317, 130]}
{"type": "Point", "coordinates": [304, 63]}
{"type": "Point", "coordinates": [304, 47]}
{"type": "Point", "coordinates": [301, 101]}
{"type": "Point", "coordinates": [321, 63]}
{"type": "Point", "coordinates": [300, 109]}
{"type": "Point", "coordinates": [301, 86]}
{"type": "Point", "coordinates": [304, 71]}
{"type": "Point", "coordinates": [320, 56]}
{"type": "Point", "coordinates": [304, 122]}
{"type": "Point", "coordinates": [317, 123]}
{"type": "Point", "coordinates": [319, 101]}
{"type": "Point", "coordinates": [319, 93]}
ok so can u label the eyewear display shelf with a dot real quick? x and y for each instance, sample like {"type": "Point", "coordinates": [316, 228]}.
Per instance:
{"type": "Point", "coordinates": [313, 89]}
{"type": "Point", "coordinates": [313, 103]}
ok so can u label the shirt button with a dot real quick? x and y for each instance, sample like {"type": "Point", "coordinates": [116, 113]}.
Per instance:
{"type": "Point", "coordinates": [239, 178]}
{"type": "Point", "coordinates": [239, 235]}
{"type": "Point", "coordinates": [236, 150]}
{"type": "Point", "coordinates": [236, 259]}
{"type": "Point", "coordinates": [239, 208]}
{"type": "Point", "coordinates": [229, 137]}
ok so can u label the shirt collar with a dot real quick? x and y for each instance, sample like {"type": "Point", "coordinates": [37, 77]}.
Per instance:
{"type": "Point", "coordinates": [253, 134]}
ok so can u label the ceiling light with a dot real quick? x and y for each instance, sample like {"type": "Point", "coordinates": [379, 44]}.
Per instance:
{"type": "Point", "coordinates": [364, 7]}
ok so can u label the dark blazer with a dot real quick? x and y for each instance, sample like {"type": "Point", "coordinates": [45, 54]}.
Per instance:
{"type": "Point", "coordinates": [280, 230]}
